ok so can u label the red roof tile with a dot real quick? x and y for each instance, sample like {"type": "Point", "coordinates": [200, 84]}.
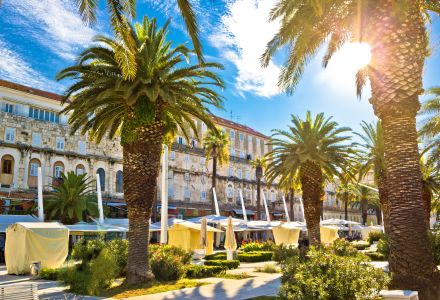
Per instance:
{"type": "Point", "coordinates": [30, 90]}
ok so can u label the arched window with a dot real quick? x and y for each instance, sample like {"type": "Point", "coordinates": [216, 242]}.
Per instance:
{"type": "Point", "coordinates": [7, 170]}
{"type": "Point", "coordinates": [101, 173]}
{"type": "Point", "coordinates": [230, 191]}
{"type": "Point", "coordinates": [80, 169]}
{"type": "Point", "coordinates": [119, 185]}
{"type": "Point", "coordinates": [34, 164]}
{"type": "Point", "coordinates": [58, 169]}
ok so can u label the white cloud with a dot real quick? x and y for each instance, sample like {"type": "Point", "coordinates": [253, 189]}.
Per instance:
{"type": "Point", "coordinates": [242, 38]}
{"type": "Point", "coordinates": [14, 68]}
{"type": "Point", "coordinates": [53, 23]}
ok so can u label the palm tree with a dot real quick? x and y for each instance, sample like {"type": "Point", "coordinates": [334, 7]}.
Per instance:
{"type": "Point", "coordinates": [216, 144]}
{"type": "Point", "coordinates": [166, 93]}
{"type": "Point", "coordinates": [372, 157]}
{"type": "Point", "coordinates": [396, 32]}
{"type": "Point", "coordinates": [72, 199]}
{"type": "Point", "coordinates": [365, 195]}
{"type": "Point", "coordinates": [345, 188]}
{"type": "Point", "coordinates": [430, 183]}
{"type": "Point", "coordinates": [258, 164]}
{"type": "Point", "coordinates": [314, 148]}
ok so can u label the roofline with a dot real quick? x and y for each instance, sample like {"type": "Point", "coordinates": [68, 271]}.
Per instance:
{"type": "Point", "coordinates": [57, 97]}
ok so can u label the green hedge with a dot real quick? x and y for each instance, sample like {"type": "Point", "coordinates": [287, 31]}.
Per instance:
{"type": "Point", "coordinates": [376, 256]}
{"type": "Point", "coordinates": [360, 245]}
{"type": "Point", "coordinates": [228, 264]}
{"type": "Point", "coordinates": [49, 274]}
{"type": "Point", "coordinates": [255, 256]}
{"type": "Point", "coordinates": [195, 271]}
{"type": "Point", "coordinates": [216, 256]}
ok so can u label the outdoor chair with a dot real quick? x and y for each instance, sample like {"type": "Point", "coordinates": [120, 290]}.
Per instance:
{"type": "Point", "coordinates": [19, 291]}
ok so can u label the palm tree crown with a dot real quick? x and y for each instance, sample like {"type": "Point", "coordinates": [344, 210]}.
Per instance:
{"type": "Point", "coordinates": [216, 144]}
{"type": "Point", "coordinates": [164, 89]}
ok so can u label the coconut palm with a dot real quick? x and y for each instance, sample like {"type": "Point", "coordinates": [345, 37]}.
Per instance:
{"type": "Point", "coordinates": [396, 32]}
{"type": "Point", "coordinates": [166, 93]}
{"type": "Point", "coordinates": [216, 144]}
{"type": "Point", "coordinates": [313, 147]}
{"type": "Point", "coordinates": [371, 157]}
{"type": "Point", "coordinates": [259, 164]}
{"type": "Point", "coordinates": [72, 199]}
{"type": "Point", "coordinates": [365, 195]}
{"type": "Point", "coordinates": [345, 189]}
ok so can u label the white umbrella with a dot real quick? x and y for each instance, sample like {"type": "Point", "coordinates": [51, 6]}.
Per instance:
{"type": "Point", "coordinates": [230, 242]}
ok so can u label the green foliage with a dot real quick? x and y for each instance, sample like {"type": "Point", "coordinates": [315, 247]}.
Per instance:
{"type": "Point", "coordinates": [325, 275]}
{"type": "Point", "coordinates": [435, 243]}
{"type": "Point", "coordinates": [183, 255]}
{"type": "Point", "coordinates": [72, 199]}
{"type": "Point", "coordinates": [374, 236]}
{"type": "Point", "coordinates": [257, 246]}
{"type": "Point", "coordinates": [86, 250]}
{"type": "Point", "coordinates": [165, 267]}
{"type": "Point", "coordinates": [103, 270]}
{"type": "Point", "coordinates": [195, 271]}
{"type": "Point", "coordinates": [255, 256]}
{"type": "Point", "coordinates": [119, 251]}
{"type": "Point", "coordinates": [376, 256]}
{"type": "Point", "coordinates": [228, 264]}
{"type": "Point", "coordinates": [341, 247]}
{"type": "Point", "coordinates": [360, 245]}
{"type": "Point", "coordinates": [383, 246]}
{"type": "Point", "coordinates": [283, 253]}
{"type": "Point", "coordinates": [216, 144]}
{"type": "Point", "coordinates": [268, 268]}
{"type": "Point", "coordinates": [216, 256]}
{"type": "Point", "coordinates": [49, 274]}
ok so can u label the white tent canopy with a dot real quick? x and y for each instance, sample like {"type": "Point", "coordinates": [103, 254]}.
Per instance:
{"type": "Point", "coordinates": [338, 222]}
{"type": "Point", "coordinates": [7, 220]}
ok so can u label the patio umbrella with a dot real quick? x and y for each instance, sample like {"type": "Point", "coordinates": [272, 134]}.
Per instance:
{"type": "Point", "coordinates": [230, 242]}
{"type": "Point", "coordinates": [203, 233]}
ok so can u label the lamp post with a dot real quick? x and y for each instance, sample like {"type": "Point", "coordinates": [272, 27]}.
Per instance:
{"type": "Point", "coordinates": [258, 175]}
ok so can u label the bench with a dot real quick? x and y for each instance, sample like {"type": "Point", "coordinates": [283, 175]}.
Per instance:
{"type": "Point", "coordinates": [20, 291]}
{"type": "Point", "coordinates": [399, 295]}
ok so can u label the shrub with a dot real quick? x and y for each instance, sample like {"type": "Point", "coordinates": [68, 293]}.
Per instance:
{"type": "Point", "coordinates": [255, 256]}
{"type": "Point", "coordinates": [49, 274]}
{"type": "Point", "coordinates": [325, 275]}
{"type": "Point", "coordinates": [257, 246]}
{"type": "Point", "coordinates": [374, 236]}
{"type": "Point", "coordinates": [183, 255]}
{"type": "Point", "coordinates": [86, 250]}
{"type": "Point", "coordinates": [342, 247]}
{"type": "Point", "coordinates": [228, 264]}
{"type": "Point", "coordinates": [360, 245]}
{"type": "Point", "coordinates": [383, 247]}
{"type": "Point", "coordinates": [103, 270]}
{"type": "Point", "coordinates": [166, 267]}
{"type": "Point", "coordinates": [435, 242]}
{"type": "Point", "coordinates": [195, 271]}
{"type": "Point", "coordinates": [376, 256]}
{"type": "Point", "coordinates": [216, 256]}
{"type": "Point", "coordinates": [119, 251]}
{"type": "Point", "coordinates": [283, 253]}
{"type": "Point", "coordinates": [268, 268]}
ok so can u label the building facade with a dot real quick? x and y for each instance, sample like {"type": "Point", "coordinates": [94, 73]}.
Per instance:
{"type": "Point", "coordinates": [34, 133]}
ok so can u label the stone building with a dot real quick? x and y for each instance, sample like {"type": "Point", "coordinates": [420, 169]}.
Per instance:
{"type": "Point", "coordinates": [33, 133]}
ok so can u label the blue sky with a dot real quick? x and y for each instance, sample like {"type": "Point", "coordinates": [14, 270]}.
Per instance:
{"type": "Point", "coordinates": [40, 37]}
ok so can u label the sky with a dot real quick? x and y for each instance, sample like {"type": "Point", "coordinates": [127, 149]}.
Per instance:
{"type": "Point", "coordinates": [38, 38]}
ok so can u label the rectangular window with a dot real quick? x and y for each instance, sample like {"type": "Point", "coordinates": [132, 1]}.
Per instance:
{"type": "Point", "coordinates": [34, 169]}
{"type": "Point", "coordinates": [232, 152]}
{"type": "Point", "coordinates": [202, 160]}
{"type": "Point", "coordinates": [7, 107]}
{"type": "Point", "coordinates": [81, 147]}
{"type": "Point", "coordinates": [52, 117]}
{"type": "Point", "coordinates": [60, 143]}
{"type": "Point", "coordinates": [241, 137]}
{"type": "Point", "coordinates": [44, 115]}
{"type": "Point", "coordinates": [180, 140]}
{"type": "Point", "coordinates": [239, 174]}
{"type": "Point", "coordinates": [170, 175]}
{"type": "Point", "coordinates": [36, 139]}
{"type": "Point", "coordinates": [10, 134]}
{"type": "Point", "coordinates": [203, 195]}
{"type": "Point", "coordinates": [170, 191]}
{"type": "Point", "coordinates": [172, 155]}
{"type": "Point", "coordinates": [232, 134]}
{"type": "Point", "coordinates": [230, 171]}
{"type": "Point", "coordinates": [242, 154]}
{"type": "Point", "coordinates": [187, 193]}
{"type": "Point", "coordinates": [7, 166]}
{"type": "Point", "coordinates": [248, 175]}
{"type": "Point", "coordinates": [58, 171]}
{"type": "Point", "coordinates": [186, 157]}
{"type": "Point", "coordinates": [203, 127]}
{"type": "Point", "coordinates": [187, 176]}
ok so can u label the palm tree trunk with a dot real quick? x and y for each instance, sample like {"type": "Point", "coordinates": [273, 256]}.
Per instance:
{"type": "Point", "coordinates": [398, 53]}
{"type": "Point", "coordinates": [214, 177]}
{"type": "Point", "coordinates": [346, 205]}
{"type": "Point", "coordinates": [383, 198]}
{"type": "Point", "coordinates": [364, 211]}
{"type": "Point", "coordinates": [141, 169]}
{"type": "Point", "coordinates": [258, 199]}
{"type": "Point", "coordinates": [426, 196]}
{"type": "Point", "coordinates": [292, 204]}
{"type": "Point", "coordinates": [378, 215]}
{"type": "Point", "coordinates": [311, 184]}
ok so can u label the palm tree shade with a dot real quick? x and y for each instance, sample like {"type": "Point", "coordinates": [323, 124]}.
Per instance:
{"type": "Point", "coordinates": [396, 32]}
{"type": "Point", "coordinates": [72, 199]}
{"type": "Point", "coordinates": [166, 94]}
{"type": "Point", "coordinates": [216, 144]}
{"type": "Point", "coordinates": [315, 149]}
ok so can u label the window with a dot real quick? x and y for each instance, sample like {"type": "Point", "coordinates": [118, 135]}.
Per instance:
{"type": "Point", "coordinates": [241, 135]}
{"type": "Point", "coordinates": [203, 179]}
{"type": "Point", "coordinates": [232, 152]}
{"type": "Point", "coordinates": [202, 161]}
{"type": "Point", "coordinates": [239, 174]}
{"type": "Point", "coordinates": [172, 155]}
{"type": "Point", "coordinates": [250, 139]}
{"type": "Point", "coordinates": [230, 191]}
{"type": "Point", "coordinates": [7, 107]}
{"type": "Point", "coordinates": [242, 154]}
{"type": "Point", "coordinates": [203, 195]}
{"type": "Point", "coordinates": [10, 134]}
{"type": "Point", "coordinates": [36, 139]}
{"type": "Point", "coordinates": [170, 174]}
{"type": "Point", "coordinates": [186, 157]}
{"type": "Point", "coordinates": [101, 173]}
{"type": "Point", "coordinates": [187, 176]}
{"type": "Point", "coordinates": [60, 143]}
{"type": "Point", "coordinates": [203, 127]}
{"type": "Point", "coordinates": [82, 147]}
{"type": "Point", "coordinates": [119, 182]}
{"type": "Point", "coordinates": [170, 191]}
{"type": "Point", "coordinates": [193, 143]}
{"type": "Point", "coordinates": [58, 169]}
{"type": "Point", "coordinates": [248, 175]}
{"type": "Point", "coordinates": [80, 170]}
{"type": "Point", "coordinates": [33, 170]}
{"type": "Point", "coordinates": [232, 134]}
{"type": "Point", "coordinates": [7, 164]}
{"type": "Point", "coordinates": [44, 115]}
{"type": "Point", "coordinates": [230, 171]}
{"type": "Point", "coordinates": [180, 140]}
{"type": "Point", "coordinates": [187, 194]}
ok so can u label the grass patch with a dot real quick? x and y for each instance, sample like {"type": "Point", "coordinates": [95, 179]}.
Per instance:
{"type": "Point", "coordinates": [268, 268]}
{"type": "Point", "coordinates": [243, 275]}
{"type": "Point", "coordinates": [125, 291]}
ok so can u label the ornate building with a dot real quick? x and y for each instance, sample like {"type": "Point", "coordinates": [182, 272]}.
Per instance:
{"type": "Point", "coordinates": [33, 133]}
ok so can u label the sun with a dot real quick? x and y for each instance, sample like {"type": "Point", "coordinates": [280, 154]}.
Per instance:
{"type": "Point", "coordinates": [356, 55]}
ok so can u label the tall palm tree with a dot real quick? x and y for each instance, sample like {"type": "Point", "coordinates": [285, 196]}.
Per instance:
{"type": "Point", "coordinates": [216, 144]}
{"type": "Point", "coordinates": [166, 93]}
{"type": "Point", "coordinates": [371, 157]}
{"type": "Point", "coordinates": [258, 164]}
{"type": "Point", "coordinates": [72, 199]}
{"type": "Point", "coordinates": [396, 32]}
{"type": "Point", "coordinates": [314, 148]}
{"type": "Point", "coordinates": [365, 196]}
{"type": "Point", "coordinates": [430, 183]}
{"type": "Point", "coordinates": [345, 188]}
